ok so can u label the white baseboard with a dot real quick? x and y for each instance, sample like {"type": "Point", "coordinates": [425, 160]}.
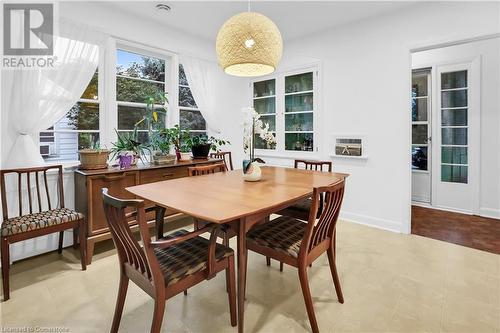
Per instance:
{"type": "Point", "coordinates": [483, 211]}
{"type": "Point", "coordinates": [489, 212]}
{"type": "Point", "coordinates": [372, 221]}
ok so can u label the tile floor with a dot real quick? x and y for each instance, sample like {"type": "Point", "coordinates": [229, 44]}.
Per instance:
{"type": "Point", "coordinates": [391, 283]}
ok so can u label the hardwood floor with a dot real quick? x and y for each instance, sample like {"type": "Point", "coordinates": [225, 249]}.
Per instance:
{"type": "Point", "coordinates": [468, 230]}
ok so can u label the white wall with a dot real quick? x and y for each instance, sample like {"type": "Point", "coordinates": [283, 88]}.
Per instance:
{"type": "Point", "coordinates": [366, 90]}
{"type": "Point", "coordinates": [128, 27]}
{"type": "Point", "coordinates": [488, 54]}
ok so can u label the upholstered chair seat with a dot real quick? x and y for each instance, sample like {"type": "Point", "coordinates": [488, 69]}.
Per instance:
{"type": "Point", "coordinates": [40, 220]}
{"type": "Point", "coordinates": [187, 258]}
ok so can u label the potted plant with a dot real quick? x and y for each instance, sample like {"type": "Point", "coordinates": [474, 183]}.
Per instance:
{"type": "Point", "coordinates": [161, 144]}
{"type": "Point", "coordinates": [128, 144]}
{"type": "Point", "coordinates": [93, 158]}
{"type": "Point", "coordinates": [179, 137]}
{"type": "Point", "coordinates": [254, 127]}
{"type": "Point", "coordinates": [185, 152]}
{"type": "Point", "coordinates": [202, 144]}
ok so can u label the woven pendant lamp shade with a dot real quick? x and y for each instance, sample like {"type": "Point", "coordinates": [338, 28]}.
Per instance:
{"type": "Point", "coordinates": [249, 44]}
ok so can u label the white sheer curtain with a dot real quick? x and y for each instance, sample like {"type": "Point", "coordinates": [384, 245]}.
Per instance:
{"type": "Point", "coordinates": [35, 99]}
{"type": "Point", "coordinates": [201, 76]}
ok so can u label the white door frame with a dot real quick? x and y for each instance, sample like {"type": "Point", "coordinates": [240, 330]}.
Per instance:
{"type": "Point", "coordinates": [473, 66]}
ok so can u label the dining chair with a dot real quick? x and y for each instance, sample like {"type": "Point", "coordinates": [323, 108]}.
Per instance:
{"type": "Point", "coordinates": [165, 267]}
{"type": "Point", "coordinates": [206, 169]}
{"type": "Point", "coordinates": [38, 222]}
{"type": "Point", "coordinates": [226, 157]}
{"type": "Point", "coordinates": [300, 210]}
{"type": "Point", "coordinates": [298, 243]}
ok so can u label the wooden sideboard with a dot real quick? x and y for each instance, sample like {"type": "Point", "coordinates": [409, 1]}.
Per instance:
{"type": "Point", "coordinates": [89, 183]}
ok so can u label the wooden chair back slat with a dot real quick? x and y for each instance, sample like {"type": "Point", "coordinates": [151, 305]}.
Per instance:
{"type": "Point", "coordinates": [129, 250]}
{"type": "Point", "coordinates": [206, 169]}
{"type": "Point", "coordinates": [47, 188]}
{"type": "Point", "coordinates": [313, 165]}
{"type": "Point", "coordinates": [29, 173]}
{"type": "Point", "coordinates": [20, 193]}
{"type": "Point", "coordinates": [316, 233]}
{"type": "Point", "coordinates": [226, 157]}
{"type": "Point", "coordinates": [39, 198]}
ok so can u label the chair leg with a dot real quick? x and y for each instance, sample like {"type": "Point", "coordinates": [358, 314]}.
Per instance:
{"type": "Point", "coordinates": [83, 244]}
{"type": "Point", "coordinates": [231, 290]}
{"type": "Point", "coordinates": [306, 292]}
{"type": "Point", "coordinates": [281, 266]}
{"type": "Point", "coordinates": [158, 315]}
{"type": "Point", "coordinates": [75, 237]}
{"type": "Point", "coordinates": [225, 242]}
{"type": "Point", "coordinates": [5, 268]}
{"type": "Point", "coordinates": [335, 276]}
{"type": "Point", "coordinates": [268, 261]}
{"type": "Point", "coordinates": [120, 301]}
{"type": "Point", "coordinates": [61, 238]}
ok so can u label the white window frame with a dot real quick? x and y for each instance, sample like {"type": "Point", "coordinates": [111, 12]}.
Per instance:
{"type": "Point", "coordinates": [171, 62]}
{"type": "Point", "coordinates": [279, 78]}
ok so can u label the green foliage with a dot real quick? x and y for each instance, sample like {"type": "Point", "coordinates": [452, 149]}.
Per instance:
{"type": "Point", "coordinates": [203, 139]}
{"type": "Point", "coordinates": [179, 137]}
{"type": "Point", "coordinates": [162, 140]}
{"type": "Point", "coordinates": [128, 141]}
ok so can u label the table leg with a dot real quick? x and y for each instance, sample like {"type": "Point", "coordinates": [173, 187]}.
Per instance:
{"type": "Point", "coordinates": [160, 221]}
{"type": "Point", "coordinates": [242, 273]}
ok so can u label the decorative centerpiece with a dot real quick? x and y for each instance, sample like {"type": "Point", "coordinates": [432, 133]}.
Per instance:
{"type": "Point", "coordinates": [254, 127]}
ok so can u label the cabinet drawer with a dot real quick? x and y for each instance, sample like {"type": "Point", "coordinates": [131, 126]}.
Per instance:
{"type": "Point", "coordinates": [116, 184]}
{"type": "Point", "coordinates": [158, 175]}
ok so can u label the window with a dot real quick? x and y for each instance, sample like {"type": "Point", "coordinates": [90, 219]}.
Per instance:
{"type": "Point", "coordinates": [454, 127]}
{"type": "Point", "coordinates": [138, 77]}
{"type": "Point", "coordinates": [190, 117]}
{"type": "Point", "coordinates": [287, 103]}
{"type": "Point", "coordinates": [79, 129]}
{"type": "Point", "coordinates": [420, 116]}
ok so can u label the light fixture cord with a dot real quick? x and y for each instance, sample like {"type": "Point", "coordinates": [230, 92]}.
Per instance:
{"type": "Point", "coordinates": [249, 5]}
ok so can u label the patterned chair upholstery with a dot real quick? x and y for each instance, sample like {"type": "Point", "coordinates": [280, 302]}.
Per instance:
{"type": "Point", "coordinates": [41, 220]}
{"type": "Point", "coordinates": [187, 258]}
{"type": "Point", "coordinates": [283, 234]}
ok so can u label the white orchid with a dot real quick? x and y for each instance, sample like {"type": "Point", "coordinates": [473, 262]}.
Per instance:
{"type": "Point", "coordinates": [252, 124]}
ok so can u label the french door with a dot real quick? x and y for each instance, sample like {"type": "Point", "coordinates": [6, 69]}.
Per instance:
{"type": "Point", "coordinates": [445, 128]}
{"type": "Point", "coordinates": [454, 167]}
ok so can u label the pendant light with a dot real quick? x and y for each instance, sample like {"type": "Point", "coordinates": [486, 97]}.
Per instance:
{"type": "Point", "coordinates": [249, 44]}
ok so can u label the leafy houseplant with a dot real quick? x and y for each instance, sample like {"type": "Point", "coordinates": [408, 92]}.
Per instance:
{"type": "Point", "coordinates": [161, 144]}
{"type": "Point", "coordinates": [185, 152]}
{"type": "Point", "coordinates": [94, 157]}
{"type": "Point", "coordinates": [202, 144]}
{"type": "Point", "coordinates": [179, 137]}
{"type": "Point", "coordinates": [128, 144]}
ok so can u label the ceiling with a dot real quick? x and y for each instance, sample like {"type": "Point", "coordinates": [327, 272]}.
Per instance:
{"type": "Point", "coordinates": [294, 18]}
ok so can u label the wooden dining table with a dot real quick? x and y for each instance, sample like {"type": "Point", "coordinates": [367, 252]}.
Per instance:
{"type": "Point", "coordinates": [225, 198]}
